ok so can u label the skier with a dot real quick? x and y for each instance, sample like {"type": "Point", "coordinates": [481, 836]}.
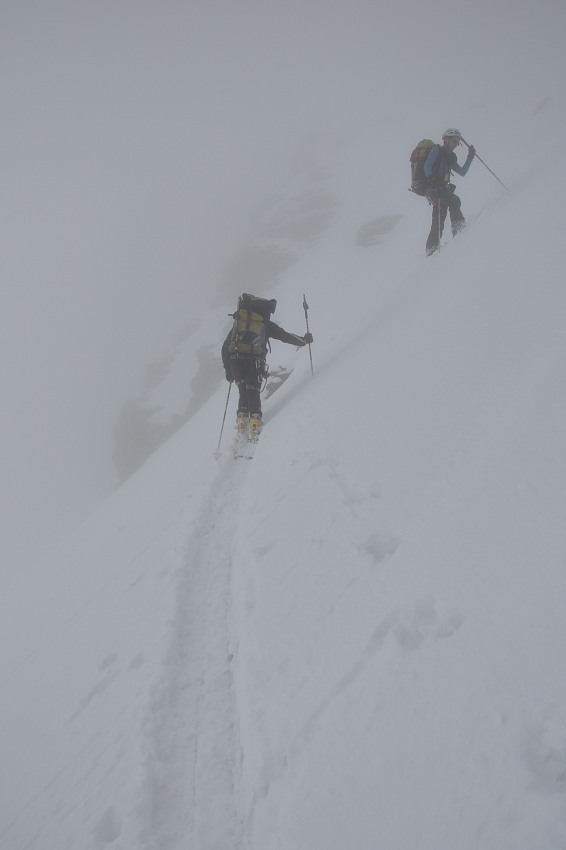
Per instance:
{"type": "Point", "coordinates": [244, 360]}
{"type": "Point", "coordinates": [438, 166]}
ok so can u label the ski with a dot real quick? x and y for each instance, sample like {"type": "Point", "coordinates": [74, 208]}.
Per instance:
{"type": "Point", "coordinates": [244, 448]}
{"type": "Point", "coordinates": [276, 379]}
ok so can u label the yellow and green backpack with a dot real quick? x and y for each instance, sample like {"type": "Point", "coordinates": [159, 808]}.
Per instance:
{"type": "Point", "coordinates": [249, 334]}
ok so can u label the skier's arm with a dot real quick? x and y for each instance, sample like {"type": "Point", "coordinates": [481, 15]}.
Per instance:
{"type": "Point", "coordinates": [275, 332]}
{"type": "Point", "coordinates": [225, 352]}
{"type": "Point", "coordinates": [463, 169]}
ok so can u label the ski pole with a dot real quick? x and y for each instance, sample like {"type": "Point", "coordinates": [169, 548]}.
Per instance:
{"type": "Point", "coordinates": [306, 308]}
{"type": "Point", "coordinates": [487, 166]}
{"type": "Point", "coordinates": [224, 417]}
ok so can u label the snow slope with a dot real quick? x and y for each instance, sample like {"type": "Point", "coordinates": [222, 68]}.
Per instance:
{"type": "Point", "coordinates": [356, 639]}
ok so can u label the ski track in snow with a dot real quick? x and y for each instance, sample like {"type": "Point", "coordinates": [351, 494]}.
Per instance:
{"type": "Point", "coordinates": [191, 761]}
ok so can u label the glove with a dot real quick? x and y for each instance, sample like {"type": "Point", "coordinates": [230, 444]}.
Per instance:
{"type": "Point", "coordinates": [471, 152]}
{"type": "Point", "coordinates": [229, 377]}
{"type": "Point", "coordinates": [308, 338]}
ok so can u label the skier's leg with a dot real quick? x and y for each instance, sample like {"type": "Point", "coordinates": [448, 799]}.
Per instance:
{"type": "Point", "coordinates": [457, 219]}
{"type": "Point", "coordinates": [238, 369]}
{"type": "Point", "coordinates": [434, 235]}
{"type": "Point", "coordinates": [253, 386]}
{"type": "Point", "coordinates": [439, 210]}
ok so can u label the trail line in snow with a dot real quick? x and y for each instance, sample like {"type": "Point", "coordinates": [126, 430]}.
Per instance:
{"type": "Point", "coordinates": [192, 754]}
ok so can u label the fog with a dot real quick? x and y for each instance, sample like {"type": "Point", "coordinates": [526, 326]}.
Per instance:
{"type": "Point", "coordinates": [138, 138]}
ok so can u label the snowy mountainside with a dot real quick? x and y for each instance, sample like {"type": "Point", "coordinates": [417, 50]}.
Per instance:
{"type": "Point", "coordinates": [356, 638]}
{"type": "Point", "coordinates": [425, 565]}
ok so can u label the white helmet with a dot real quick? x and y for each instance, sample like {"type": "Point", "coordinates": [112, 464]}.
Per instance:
{"type": "Point", "coordinates": [452, 133]}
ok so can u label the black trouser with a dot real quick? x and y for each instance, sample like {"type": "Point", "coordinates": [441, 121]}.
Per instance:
{"type": "Point", "coordinates": [247, 374]}
{"type": "Point", "coordinates": [442, 201]}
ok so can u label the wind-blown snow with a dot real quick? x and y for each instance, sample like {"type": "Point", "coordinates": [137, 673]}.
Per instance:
{"type": "Point", "coordinates": [356, 638]}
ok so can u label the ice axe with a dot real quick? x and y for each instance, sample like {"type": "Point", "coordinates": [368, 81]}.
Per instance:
{"type": "Point", "coordinates": [487, 166]}
{"type": "Point", "coordinates": [306, 309]}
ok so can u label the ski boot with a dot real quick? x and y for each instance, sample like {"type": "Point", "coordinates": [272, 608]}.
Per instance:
{"type": "Point", "coordinates": [255, 427]}
{"type": "Point", "coordinates": [242, 422]}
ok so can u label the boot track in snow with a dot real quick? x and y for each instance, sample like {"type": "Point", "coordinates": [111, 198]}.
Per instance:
{"type": "Point", "coordinates": [189, 798]}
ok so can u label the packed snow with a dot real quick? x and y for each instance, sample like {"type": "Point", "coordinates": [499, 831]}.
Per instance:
{"type": "Point", "coordinates": [356, 638]}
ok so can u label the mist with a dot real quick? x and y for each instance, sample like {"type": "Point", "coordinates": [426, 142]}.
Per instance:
{"type": "Point", "coordinates": [138, 138]}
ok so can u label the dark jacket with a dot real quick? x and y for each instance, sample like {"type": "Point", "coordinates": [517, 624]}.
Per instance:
{"type": "Point", "coordinates": [273, 332]}
{"type": "Point", "coordinates": [441, 162]}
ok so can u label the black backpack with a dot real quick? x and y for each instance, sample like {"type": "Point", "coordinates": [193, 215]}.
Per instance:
{"type": "Point", "coordinates": [418, 159]}
{"type": "Point", "coordinates": [249, 334]}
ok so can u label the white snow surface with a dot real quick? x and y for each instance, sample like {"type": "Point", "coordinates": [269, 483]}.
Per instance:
{"type": "Point", "coordinates": [356, 639]}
